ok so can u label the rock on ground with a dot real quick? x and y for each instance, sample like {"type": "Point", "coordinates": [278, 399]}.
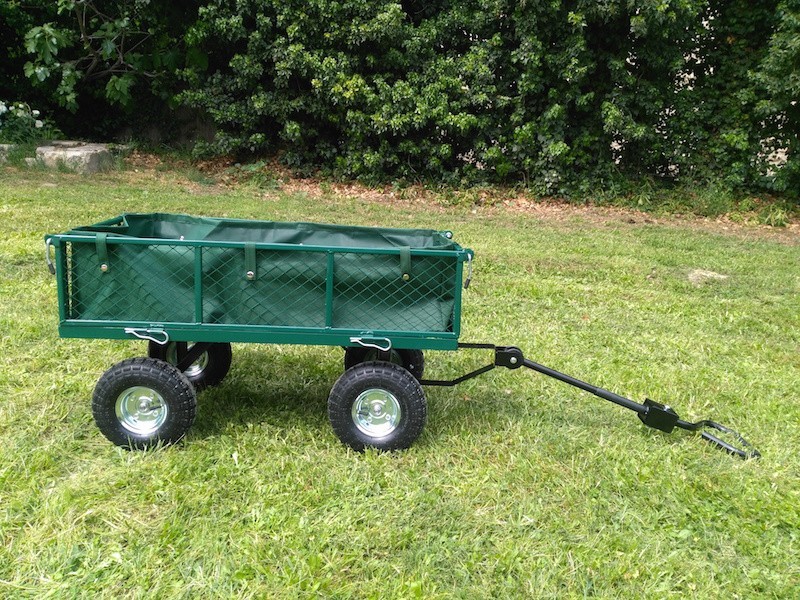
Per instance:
{"type": "Point", "coordinates": [4, 150]}
{"type": "Point", "coordinates": [76, 156]}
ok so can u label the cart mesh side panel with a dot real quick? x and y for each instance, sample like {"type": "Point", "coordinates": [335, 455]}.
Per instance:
{"type": "Point", "coordinates": [196, 278]}
{"type": "Point", "coordinates": [370, 292]}
{"type": "Point", "coordinates": [141, 283]}
{"type": "Point", "coordinates": [288, 288]}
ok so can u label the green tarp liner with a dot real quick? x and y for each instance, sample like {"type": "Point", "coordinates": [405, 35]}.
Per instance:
{"type": "Point", "coordinates": [156, 282]}
{"type": "Point", "coordinates": [166, 226]}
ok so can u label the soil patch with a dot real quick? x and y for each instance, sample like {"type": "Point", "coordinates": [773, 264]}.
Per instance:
{"type": "Point", "coordinates": [225, 173]}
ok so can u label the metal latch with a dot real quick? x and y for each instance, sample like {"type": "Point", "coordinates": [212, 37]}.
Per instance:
{"type": "Point", "coordinates": [48, 244]}
{"type": "Point", "coordinates": [469, 270]}
{"type": "Point", "coordinates": [373, 343]}
{"type": "Point", "coordinates": [151, 335]}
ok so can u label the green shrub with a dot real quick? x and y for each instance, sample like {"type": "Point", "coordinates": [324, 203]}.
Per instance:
{"type": "Point", "coordinates": [563, 96]}
{"type": "Point", "coordinates": [774, 215]}
{"type": "Point", "coordinates": [19, 124]}
{"type": "Point", "coordinates": [778, 106]}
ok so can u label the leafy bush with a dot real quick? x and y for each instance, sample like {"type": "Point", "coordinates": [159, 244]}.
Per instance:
{"type": "Point", "coordinates": [16, 20]}
{"type": "Point", "coordinates": [564, 96]}
{"type": "Point", "coordinates": [109, 47]}
{"type": "Point", "coordinates": [19, 124]}
{"type": "Point", "coordinates": [779, 75]}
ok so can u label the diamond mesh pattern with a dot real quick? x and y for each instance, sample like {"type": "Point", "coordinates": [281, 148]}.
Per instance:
{"type": "Point", "coordinates": [155, 283]}
{"type": "Point", "coordinates": [370, 293]}
{"type": "Point", "coordinates": [289, 288]}
{"type": "Point", "coordinates": [142, 283]}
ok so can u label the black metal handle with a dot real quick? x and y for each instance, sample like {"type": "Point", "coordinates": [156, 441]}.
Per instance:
{"type": "Point", "coordinates": [652, 414]}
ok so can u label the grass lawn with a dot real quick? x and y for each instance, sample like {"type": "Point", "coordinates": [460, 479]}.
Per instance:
{"type": "Point", "coordinates": [519, 487]}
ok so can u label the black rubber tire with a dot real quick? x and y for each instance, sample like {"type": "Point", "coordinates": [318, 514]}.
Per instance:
{"type": "Point", "coordinates": [412, 360]}
{"type": "Point", "coordinates": [218, 362]}
{"type": "Point", "coordinates": [382, 376]}
{"type": "Point", "coordinates": [175, 390]}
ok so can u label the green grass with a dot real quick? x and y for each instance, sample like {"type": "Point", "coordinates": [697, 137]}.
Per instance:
{"type": "Point", "coordinates": [704, 200]}
{"type": "Point", "coordinates": [519, 487]}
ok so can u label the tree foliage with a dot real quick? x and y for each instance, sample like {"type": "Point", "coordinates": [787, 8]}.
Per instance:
{"type": "Point", "coordinates": [564, 96]}
{"type": "Point", "coordinates": [109, 47]}
{"type": "Point", "coordinates": [16, 20]}
{"type": "Point", "coordinates": [779, 106]}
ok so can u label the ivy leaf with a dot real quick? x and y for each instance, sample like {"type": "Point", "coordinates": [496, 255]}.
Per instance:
{"type": "Point", "coordinates": [118, 88]}
{"type": "Point", "coordinates": [107, 48]}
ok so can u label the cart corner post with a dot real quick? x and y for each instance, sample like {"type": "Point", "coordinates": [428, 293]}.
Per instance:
{"type": "Point", "coordinates": [57, 266]}
{"type": "Point", "coordinates": [198, 284]}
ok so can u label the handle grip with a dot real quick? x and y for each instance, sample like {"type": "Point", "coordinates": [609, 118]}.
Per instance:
{"type": "Point", "coordinates": [745, 450]}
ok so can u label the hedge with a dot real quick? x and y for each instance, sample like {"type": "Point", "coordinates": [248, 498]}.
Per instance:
{"type": "Point", "coordinates": [563, 97]}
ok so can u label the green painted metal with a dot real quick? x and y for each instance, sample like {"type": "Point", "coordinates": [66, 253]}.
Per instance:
{"type": "Point", "coordinates": [61, 273]}
{"type": "Point", "coordinates": [329, 290]}
{"type": "Point", "coordinates": [198, 284]}
{"type": "Point", "coordinates": [253, 334]}
{"type": "Point", "coordinates": [202, 279]}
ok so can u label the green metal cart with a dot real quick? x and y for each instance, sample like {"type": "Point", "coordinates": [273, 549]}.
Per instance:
{"type": "Point", "coordinates": [191, 286]}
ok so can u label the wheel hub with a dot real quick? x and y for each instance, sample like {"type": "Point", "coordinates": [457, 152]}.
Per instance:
{"type": "Point", "coordinates": [193, 370]}
{"type": "Point", "coordinates": [141, 410]}
{"type": "Point", "coordinates": [376, 412]}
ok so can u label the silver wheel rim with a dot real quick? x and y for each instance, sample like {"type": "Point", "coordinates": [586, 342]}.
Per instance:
{"type": "Point", "coordinates": [141, 410]}
{"type": "Point", "coordinates": [376, 412]}
{"type": "Point", "coordinates": [194, 369]}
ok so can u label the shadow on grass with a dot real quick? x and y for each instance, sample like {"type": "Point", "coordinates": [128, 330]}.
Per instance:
{"type": "Point", "coordinates": [277, 389]}
{"type": "Point", "coordinates": [286, 389]}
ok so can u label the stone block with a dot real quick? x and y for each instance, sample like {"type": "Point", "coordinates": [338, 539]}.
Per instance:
{"type": "Point", "coordinates": [76, 156]}
{"type": "Point", "coordinates": [5, 149]}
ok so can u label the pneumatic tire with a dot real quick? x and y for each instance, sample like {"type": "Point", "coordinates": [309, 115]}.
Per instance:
{"type": "Point", "coordinates": [377, 405]}
{"type": "Point", "coordinates": [208, 370]}
{"type": "Point", "coordinates": [412, 360]}
{"type": "Point", "coordinates": [141, 402]}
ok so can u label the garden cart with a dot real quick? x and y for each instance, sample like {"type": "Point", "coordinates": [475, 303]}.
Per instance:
{"type": "Point", "coordinates": [191, 286]}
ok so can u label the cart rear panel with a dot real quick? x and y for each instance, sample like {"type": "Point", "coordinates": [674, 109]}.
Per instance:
{"type": "Point", "coordinates": [203, 279]}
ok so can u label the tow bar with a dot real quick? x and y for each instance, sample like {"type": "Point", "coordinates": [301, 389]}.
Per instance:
{"type": "Point", "coordinates": [651, 413]}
